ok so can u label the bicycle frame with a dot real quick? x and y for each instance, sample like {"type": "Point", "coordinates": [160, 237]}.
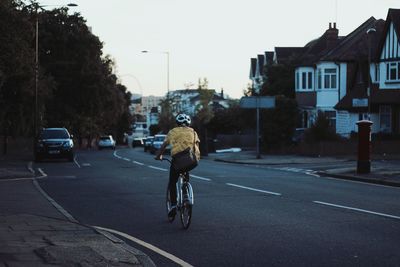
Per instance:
{"type": "Point", "coordinates": [183, 182]}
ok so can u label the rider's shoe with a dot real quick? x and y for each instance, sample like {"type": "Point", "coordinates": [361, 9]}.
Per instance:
{"type": "Point", "coordinates": [172, 211]}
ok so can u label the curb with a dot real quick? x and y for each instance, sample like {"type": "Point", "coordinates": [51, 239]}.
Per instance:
{"type": "Point", "coordinates": [359, 179]}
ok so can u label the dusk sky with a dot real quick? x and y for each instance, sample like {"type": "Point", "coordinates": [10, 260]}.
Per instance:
{"type": "Point", "coordinates": [212, 39]}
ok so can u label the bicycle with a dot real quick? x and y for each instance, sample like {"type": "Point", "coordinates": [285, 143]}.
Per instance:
{"type": "Point", "coordinates": [185, 199]}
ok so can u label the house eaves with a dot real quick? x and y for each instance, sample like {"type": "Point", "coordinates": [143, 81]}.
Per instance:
{"type": "Point", "coordinates": [393, 16]}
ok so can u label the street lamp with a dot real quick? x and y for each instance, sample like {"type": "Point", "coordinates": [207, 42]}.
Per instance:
{"type": "Point", "coordinates": [369, 31]}
{"type": "Point", "coordinates": [35, 122]}
{"type": "Point", "coordinates": [166, 53]}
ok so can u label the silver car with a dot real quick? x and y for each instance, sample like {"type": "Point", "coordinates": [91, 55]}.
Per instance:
{"type": "Point", "coordinates": [106, 141]}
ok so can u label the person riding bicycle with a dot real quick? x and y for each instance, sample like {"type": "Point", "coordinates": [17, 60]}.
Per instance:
{"type": "Point", "coordinates": [180, 138]}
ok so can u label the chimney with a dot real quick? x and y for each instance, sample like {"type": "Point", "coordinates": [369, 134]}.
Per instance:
{"type": "Point", "coordinates": [332, 35]}
{"type": "Point", "coordinates": [222, 92]}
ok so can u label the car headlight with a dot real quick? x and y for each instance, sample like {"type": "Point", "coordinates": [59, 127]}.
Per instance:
{"type": "Point", "coordinates": [68, 144]}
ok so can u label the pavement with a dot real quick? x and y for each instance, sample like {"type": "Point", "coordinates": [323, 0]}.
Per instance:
{"type": "Point", "coordinates": [385, 169]}
{"type": "Point", "coordinates": [33, 232]}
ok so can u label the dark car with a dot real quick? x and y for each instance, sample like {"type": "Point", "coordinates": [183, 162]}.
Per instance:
{"type": "Point", "coordinates": [54, 143]}
{"type": "Point", "coordinates": [147, 143]}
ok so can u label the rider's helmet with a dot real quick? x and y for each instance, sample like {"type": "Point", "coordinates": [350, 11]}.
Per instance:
{"type": "Point", "coordinates": [183, 119]}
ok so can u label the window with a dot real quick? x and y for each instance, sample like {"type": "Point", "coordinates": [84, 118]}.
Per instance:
{"type": "Point", "coordinates": [393, 71]}
{"type": "Point", "coordinates": [319, 83]}
{"type": "Point", "coordinates": [330, 78]}
{"type": "Point", "coordinates": [385, 118]}
{"type": "Point", "coordinates": [309, 85]}
{"type": "Point", "coordinates": [306, 82]}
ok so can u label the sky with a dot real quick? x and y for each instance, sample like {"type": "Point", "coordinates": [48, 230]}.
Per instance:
{"type": "Point", "coordinates": [212, 39]}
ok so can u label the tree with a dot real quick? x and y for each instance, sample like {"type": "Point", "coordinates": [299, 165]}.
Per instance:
{"type": "Point", "coordinates": [279, 81]}
{"type": "Point", "coordinates": [278, 124]}
{"type": "Point", "coordinates": [321, 130]}
{"type": "Point", "coordinates": [16, 69]}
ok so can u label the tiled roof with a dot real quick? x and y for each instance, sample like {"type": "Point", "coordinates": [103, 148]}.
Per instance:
{"type": "Point", "coordinates": [253, 65]}
{"type": "Point", "coordinates": [269, 57]}
{"type": "Point", "coordinates": [261, 63]}
{"type": "Point", "coordinates": [318, 48]}
{"type": "Point", "coordinates": [285, 54]}
{"type": "Point", "coordinates": [355, 45]}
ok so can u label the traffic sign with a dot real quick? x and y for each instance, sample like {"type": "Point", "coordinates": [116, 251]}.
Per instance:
{"type": "Point", "coordinates": [257, 102]}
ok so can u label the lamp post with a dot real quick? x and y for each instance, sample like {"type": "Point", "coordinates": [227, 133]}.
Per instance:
{"type": "Point", "coordinates": [136, 79]}
{"type": "Point", "coordinates": [166, 53]}
{"type": "Point", "coordinates": [369, 31]}
{"type": "Point", "coordinates": [35, 122]}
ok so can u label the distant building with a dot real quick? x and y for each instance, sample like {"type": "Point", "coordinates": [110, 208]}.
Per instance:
{"type": "Point", "coordinates": [188, 100]}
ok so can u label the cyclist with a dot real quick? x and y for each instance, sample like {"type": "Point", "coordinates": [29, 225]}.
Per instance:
{"type": "Point", "coordinates": [180, 138]}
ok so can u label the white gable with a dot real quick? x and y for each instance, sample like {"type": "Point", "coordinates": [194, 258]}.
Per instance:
{"type": "Point", "coordinates": [391, 49]}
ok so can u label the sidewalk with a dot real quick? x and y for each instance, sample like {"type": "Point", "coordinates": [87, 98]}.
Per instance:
{"type": "Point", "coordinates": [34, 233]}
{"type": "Point", "coordinates": [383, 172]}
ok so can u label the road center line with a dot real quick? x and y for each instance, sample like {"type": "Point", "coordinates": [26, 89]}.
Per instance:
{"type": "Point", "coordinates": [254, 189]}
{"type": "Point", "coordinates": [199, 177]}
{"type": "Point", "coordinates": [146, 245]}
{"type": "Point", "coordinates": [157, 168]}
{"type": "Point", "coordinates": [356, 209]}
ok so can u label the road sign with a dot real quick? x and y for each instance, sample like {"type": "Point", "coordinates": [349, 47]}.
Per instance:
{"type": "Point", "coordinates": [257, 102]}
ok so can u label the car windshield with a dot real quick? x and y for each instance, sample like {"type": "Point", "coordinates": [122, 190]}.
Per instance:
{"type": "Point", "coordinates": [54, 134]}
{"type": "Point", "coordinates": [105, 138]}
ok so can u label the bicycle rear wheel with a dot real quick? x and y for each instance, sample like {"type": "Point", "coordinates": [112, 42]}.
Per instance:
{"type": "Point", "coordinates": [186, 209]}
{"type": "Point", "coordinates": [168, 206]}
{"type": "Point", "coordinates": [186, 215]}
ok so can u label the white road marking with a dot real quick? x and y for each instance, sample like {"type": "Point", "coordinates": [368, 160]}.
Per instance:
{"type": "Point", "coordinates": [86, 164]}
{"type": "Point", "coordinates": [138, 163]}
{"type": "Point", "coordinates": [157, 168]}
{"type": "Point", "coordinates": [356, 209]}
{"type": "Point", "coordinates": [54, 203]}
{"type": "Point", "coordinates": [126, 159]}
{"type": "Point", "coordinates": [42, 172]}
{"type": "Point", "coordinates": [254, 189]}
{"type": "Point", "coordinates": [147, 245]}
{"type": "Point", "coordinates": [199, 177]}
{"type": "Point", "coordinates": [76, 162]}
{"type": "Point", "coordinates": [30, 167]}
{"type": "Point", "coordinates": [312, 173]}
{"type": "Point", "coordinates": [115, 155]}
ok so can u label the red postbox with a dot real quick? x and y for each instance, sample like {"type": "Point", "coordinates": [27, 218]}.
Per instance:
{"type": "Point", "coordinates": [364, 146]}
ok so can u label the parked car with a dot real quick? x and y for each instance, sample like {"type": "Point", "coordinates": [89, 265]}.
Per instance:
{"type": "Point", "coordinates": [147, 142]}
{"type": "Point", "coordinates": [106, 141]}
{"type": "Point", "coordinates": [54, 143]}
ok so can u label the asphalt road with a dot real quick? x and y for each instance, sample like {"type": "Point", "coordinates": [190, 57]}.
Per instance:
{"type": "Point", "coordinates": [243, 215]}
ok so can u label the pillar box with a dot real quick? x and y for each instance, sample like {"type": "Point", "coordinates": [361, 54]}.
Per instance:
{"type": "Point", "coordinates": [364, 146]}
